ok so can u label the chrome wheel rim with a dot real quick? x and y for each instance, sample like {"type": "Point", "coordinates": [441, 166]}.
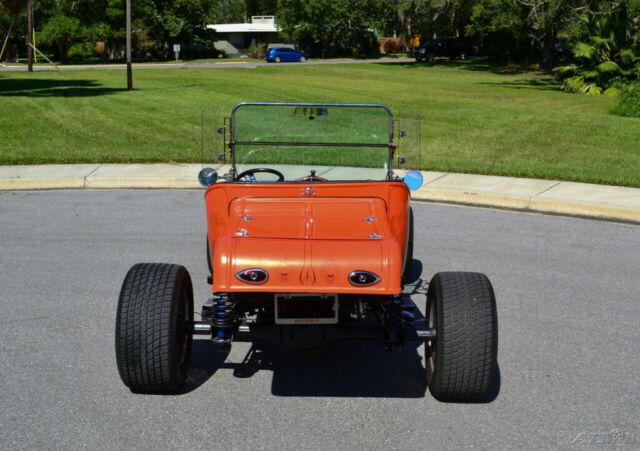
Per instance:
{"type": "Point", "coordinates": [431, 344]}
{"type": "Point", "coordinates": [182, 332]}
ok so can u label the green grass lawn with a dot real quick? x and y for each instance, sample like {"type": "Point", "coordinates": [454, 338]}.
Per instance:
{"type": "Point", "coordinates": [474, 119]}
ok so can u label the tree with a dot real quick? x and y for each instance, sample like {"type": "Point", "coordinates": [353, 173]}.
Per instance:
{"type": "Point", "coordinates": [63, 31]}
{"type": "Point", "coordinates": [605, 48]}
{"type": "Point", "coordinates": [261, 7]}
{"type": "Point", "coordinates": [503, 25]}
{"type": "Point", "coordinates": [12, 7]}
{"type": "Point", "coordinates": [330, 28]}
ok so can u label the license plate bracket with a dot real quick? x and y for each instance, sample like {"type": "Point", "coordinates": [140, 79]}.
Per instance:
{"type": "Point", "coordinates": [306, 308]}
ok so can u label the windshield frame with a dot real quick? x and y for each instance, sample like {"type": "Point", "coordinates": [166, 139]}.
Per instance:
{"type": "Point", "coordinates": [391, 146]}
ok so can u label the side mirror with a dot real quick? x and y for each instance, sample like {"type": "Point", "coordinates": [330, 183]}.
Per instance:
{"type": "Point", "coordinates": [413, 179]}
{"type": "Point", "coordinates": [207, 177]}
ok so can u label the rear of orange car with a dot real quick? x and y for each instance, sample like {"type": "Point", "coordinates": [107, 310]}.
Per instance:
{"type": "Point", "coordinates": [346, 237]}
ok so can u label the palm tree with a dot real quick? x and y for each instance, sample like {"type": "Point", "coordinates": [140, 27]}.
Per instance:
{"type": "Point", "coordinates": [602, 51]}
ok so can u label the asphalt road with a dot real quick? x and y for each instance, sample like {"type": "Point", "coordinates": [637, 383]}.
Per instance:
{"type": "Point", "coordinates": [569, 313]}
{"type": "Point", "coordinates": [249, 64]}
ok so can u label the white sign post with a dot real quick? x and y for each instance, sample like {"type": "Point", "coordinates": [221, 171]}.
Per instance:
{"type": "Point", "coordinates": [176, 50]}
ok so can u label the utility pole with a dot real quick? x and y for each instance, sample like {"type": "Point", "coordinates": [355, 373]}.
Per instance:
{"type": "Point", "coordinates": [30, 34]}
{"type": "Point", "coordinates": [129, 74]}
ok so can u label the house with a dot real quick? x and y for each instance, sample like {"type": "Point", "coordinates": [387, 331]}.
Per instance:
{"type": "Point", "coordinates": [235, 37]}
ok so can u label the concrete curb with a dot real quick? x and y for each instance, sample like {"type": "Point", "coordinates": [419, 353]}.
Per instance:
{"type": "Point", "coordinates": [542, 196]}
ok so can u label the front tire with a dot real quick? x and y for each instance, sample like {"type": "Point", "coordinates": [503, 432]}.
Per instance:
{"type": "Point", "coordinates": [462, 362]}
{"type": "Point", "coordinates": [153, 336]}
{"type": "Point", "coordinates": [302, 59]}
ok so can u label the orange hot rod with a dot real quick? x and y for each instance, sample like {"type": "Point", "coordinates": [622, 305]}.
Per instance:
{"type": "Point", "coordinates": [309, 241]}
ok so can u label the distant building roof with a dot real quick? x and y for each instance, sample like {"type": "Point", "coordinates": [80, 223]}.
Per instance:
{"type": "Point", "coordinates": [259, 24]}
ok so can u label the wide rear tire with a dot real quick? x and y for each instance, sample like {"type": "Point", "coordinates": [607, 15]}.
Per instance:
{"type": "Point", "coordinates": [153, 336]}
{"type": "Point", "coordinates": [462, 361]}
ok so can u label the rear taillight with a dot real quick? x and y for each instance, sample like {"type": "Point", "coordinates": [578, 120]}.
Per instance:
{"type": "Point", "coordinates": [363, 278]}
{"type": "Point", "coordinates": [255, 276]}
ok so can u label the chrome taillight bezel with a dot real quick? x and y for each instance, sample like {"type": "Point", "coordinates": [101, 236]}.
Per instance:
{"type": "Point", "coordinates": [355, 276]}
{"type": "Point", "coordinates": [245, 272]}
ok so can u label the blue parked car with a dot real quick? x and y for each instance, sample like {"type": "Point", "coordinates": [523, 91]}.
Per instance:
{"type": "Point", "coordinates": [284, 54]}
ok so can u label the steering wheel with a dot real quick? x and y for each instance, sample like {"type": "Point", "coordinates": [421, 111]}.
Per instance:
{"type": "Point", "coordinates": [249, 173]}
{"type": "Point", "coordinates": [312, 178]}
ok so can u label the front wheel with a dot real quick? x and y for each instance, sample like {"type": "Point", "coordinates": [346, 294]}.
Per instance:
{"type": "Point", "coordinates": [461, 362]}
{"type": "Point", "coordinates": [153, 335]}
{"type": "Point", "coordinates": [302, 59]}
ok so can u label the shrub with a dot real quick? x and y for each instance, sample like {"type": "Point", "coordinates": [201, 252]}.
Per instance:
{"type": "Point", "coordinates": [258, 50]}
{"type": "Point", "coordinates": [577, 84]}
{"type": "Point", "coordinates": [564, 72]}
{"type": "Point", "coordinates": [83, 51]}
{"type": "Point", "coordinates": [573, 84]}
{"type": "Point", "coordinates": [613, 91]}
{"type": "Point", "coordinates": [392, 45]}
{"type": "Point", "coordinates": [628, 101]}
{"type": "Point", "coordinates": [361, 43]}
{"type": "Point", "coordinates": [199, 51]}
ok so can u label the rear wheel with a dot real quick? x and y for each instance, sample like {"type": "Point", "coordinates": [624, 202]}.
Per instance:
{"type": "Point", "coordinates": [461, 362]}
{"type": "Point", "coordinates": [277, 59]}
{"type": "Point", "coordinates": [153, 336]}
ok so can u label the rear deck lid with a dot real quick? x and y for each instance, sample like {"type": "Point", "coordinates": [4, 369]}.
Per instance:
{"type": "Point", "coordinates": [310, 218]}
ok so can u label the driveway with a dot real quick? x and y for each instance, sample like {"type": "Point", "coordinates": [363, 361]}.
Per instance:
{"type": "Point", "coordinates": [568, 308]}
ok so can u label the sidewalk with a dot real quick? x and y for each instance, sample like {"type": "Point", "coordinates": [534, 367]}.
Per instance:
{"type": "Point", "coordinates": [544, 196]}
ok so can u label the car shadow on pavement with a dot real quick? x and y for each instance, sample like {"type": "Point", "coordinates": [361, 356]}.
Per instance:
{"type": "Point", "coordinates": [354, 368]}
{"type": "Point", "coordinates": [206, 358]}
{"type": "Point", "coordinates": [350, 369]}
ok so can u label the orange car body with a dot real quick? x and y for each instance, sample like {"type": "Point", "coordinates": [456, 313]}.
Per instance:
{"type": "Point", "coordinates": [308, 236]}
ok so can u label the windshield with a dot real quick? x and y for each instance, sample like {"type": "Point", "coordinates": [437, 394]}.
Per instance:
{"type": "Point", "coordinates": [337, 141]}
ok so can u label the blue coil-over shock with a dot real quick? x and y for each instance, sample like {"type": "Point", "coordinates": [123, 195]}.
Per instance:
{"type": "Point", "coordinates": [222, 315]}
